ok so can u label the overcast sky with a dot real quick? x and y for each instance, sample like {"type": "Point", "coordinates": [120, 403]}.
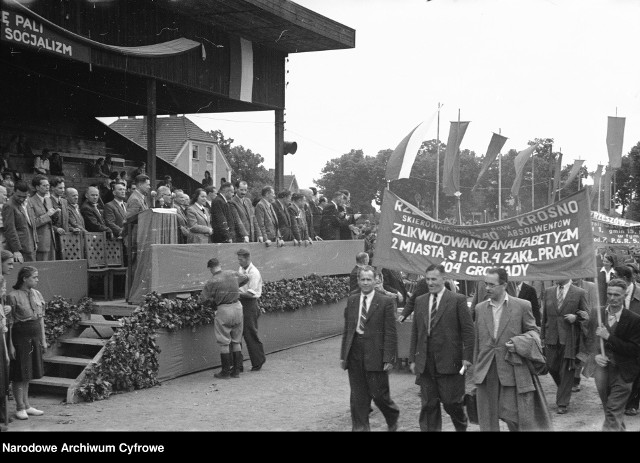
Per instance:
{"type": "Point", "coordinates": [530, 68]}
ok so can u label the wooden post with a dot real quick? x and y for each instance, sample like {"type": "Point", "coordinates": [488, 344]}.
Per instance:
{"type": "Point", "coordinates": [279, 147]}
{"type": "Point", "coordinates": [151, 131]}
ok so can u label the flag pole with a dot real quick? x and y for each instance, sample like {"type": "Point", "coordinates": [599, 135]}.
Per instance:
{"type": "Point", "coordinates": [599, 190]}
{"type": "Point", "coordinates": [499, 182]}
{"type": "Point", "coordinates": [438, 163]}
{"type": "Point", "coordinates": [459, 192]}
{"type": "Point", "coordinates": [533, 163]}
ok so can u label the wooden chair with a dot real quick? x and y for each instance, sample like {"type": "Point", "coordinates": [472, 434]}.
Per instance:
{"type": "Point", "coordinates": [97, 260]}
{"type": "Point", "coordinates": [114, 251]}
{"type": "Point", "coordinates": [72, 246]}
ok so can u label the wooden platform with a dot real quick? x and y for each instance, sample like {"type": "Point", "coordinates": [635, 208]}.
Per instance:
{"type": "Point", "coordinates": [115, 308]}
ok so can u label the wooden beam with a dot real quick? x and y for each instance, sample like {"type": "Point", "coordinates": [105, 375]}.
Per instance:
{"type": "Point", "coordinates": [151, 131]}
{"type": "Point", "coordinates": [279, 146]}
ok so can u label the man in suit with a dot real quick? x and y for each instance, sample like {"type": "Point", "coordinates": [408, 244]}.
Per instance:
{"type": "Point", "coordinates": [593, 301]}
{"type": "Point", "coordinates": [60, 221]}
{"type": "Point", "coordinates": [45, 213]}
{"type": "Point", "coordinates": [362, 260]}
{"type": "Point", "coordinates": [528, 293]}
{"type": "Point", "coordinates": [222, 216]}
{"type": "Point", "coordinates": [267, 219]}
{"type": "Point", "coordinates": [618, 366]}
{"type": "Point", "coordinates": [298, 219]}
{"type": "Point", "coordinates": [136, 204]}
{"type": "Point", "coordinates": [348, 227]}
{"type": "Point", "coordinates": [333, 218]}
{"type": "Point", "coordinates": [315, 210]}
{"type": "Point", "coordinates": [250, 292]}
{"type": "Point", "coordinates": [115, 212]}
{"type": "Point", "coordinates": [280, 206]}
{"type": "Point", "coordinates": [181, 203]}
{"type": "Point", "coordinates": [93, 219]}
{"type": "Point", "coordinates": [248, 230]}
{"type": "Point", "coordinates": [441, 350]}
{"type": "Point", "coordinates": [565, 315]}
{"type": "Point", "coordinates": [369, 345]}
{"type": "Point", "coordinates": [211, 195]}
{"type": "Point", "coordinates": [498, 382]}
{"type": "Point", "coordinates": [312, 217]}
{"type": "Point", "coordinates": [604, 275]}
{"type": "Point", "coordinates": [19, 221]}
{"type": "Point", "coordinates": [76, 222]}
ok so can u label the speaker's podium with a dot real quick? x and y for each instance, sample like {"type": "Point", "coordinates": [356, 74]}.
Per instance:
{"type": "Point", "coordinates": [153, 226]}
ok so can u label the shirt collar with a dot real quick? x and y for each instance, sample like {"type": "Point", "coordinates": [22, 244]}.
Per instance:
{"type": "Point", "coordinates": [504, 301]}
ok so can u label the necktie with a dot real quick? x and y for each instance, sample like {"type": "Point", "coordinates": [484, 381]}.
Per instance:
{"type": "Point", "coordinates": [124, 206]}
{"type": "Point", "coordinates": [560, 296]}
{"type": "Point", "coordinates": [432, 313]}
{"type": "Point", "coordinates": [363, 314]}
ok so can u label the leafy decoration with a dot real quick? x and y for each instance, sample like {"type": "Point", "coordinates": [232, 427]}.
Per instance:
{"type": "Point", "coordinates": [130, 358]}
{"type": "Point", "coordinates": [60, 315]}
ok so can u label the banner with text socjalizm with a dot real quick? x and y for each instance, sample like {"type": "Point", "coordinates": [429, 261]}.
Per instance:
{"type": "Point", "coordinates": [553, 242]}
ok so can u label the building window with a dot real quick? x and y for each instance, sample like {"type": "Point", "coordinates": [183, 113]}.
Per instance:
{"type": "Point", "coordinates": [209, 153]}
{"type": "Point", "coordinates": [194, 153]}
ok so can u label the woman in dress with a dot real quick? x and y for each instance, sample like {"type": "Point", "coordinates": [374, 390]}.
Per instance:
{"type": "Point", "coordinates": [7, 266]}
{"type": "Point", "coordinates": [198, 219]}
{"type": "Point", "coordinates": [27, 340]}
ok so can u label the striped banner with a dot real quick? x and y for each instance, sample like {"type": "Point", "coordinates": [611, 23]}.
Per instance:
{"type": "Point", "coordinates": [241, 69]}
{"type": "Point", "coordinates": [401, 160]}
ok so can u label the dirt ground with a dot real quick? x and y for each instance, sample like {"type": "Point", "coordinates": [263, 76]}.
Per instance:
{"type": "Point", "coordinates": [299, 389]}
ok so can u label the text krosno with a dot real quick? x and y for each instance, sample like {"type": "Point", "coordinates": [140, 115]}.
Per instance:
{"type": "Point", "coordinates": [82, 448]}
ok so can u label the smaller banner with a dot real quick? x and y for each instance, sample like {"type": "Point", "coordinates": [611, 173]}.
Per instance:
{"type": "Point", "coordinates": [615, 137]}
{"type": "Point", "coordinates": [451, 171]}
{"type": "Point", "coordinates": [575, 169]}
{"type": "Point", "coordinates": [495, 145]}
{"type": "Point", "coordinates": [597, 187]}
{"type": "Point", "coordinates": [607, 189]}
{"type": "Point", "coordinates": [241, 69]}
{"type": "Point", "coordinates": [553, 242]}
{"type": "Point", "coordinates": [612, 231]}
{"type": "Point", "coordinates": [520, 161]}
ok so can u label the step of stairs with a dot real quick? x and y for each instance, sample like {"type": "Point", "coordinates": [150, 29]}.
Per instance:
{"type": "Point", "coordinates": [84, 341]}
{"type": "Point", "coordinates": [101, 323]}
{"type": "Point", "coordinates": [52, 381]}
{"type": "Point", "coordinates": [65, 360]}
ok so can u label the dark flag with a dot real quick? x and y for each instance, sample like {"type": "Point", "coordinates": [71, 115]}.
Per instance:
{"type": "Point", "coordinates": [451, 171]}
{"type": "Point", "coordinates": [495, 145]}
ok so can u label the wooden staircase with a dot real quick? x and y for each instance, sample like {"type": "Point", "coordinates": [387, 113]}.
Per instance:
{"type": "Point", "coordinates": [66, 362]}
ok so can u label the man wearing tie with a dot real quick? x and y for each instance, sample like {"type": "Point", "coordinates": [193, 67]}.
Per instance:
{"type": "Point", "coordinates": [441, 350]}
{"type": "Point", "coordinates": [369, 345]}
{"type": "Point", "coordinates": [76, 222]}
{"type": "Point", "coordinates": [115, 211]}
{"type": "Point", "coordinates": [565, 315]}
{"type": "Point", "coordinates": [618, 366]}
{"type": "Point", "coordinates": [266, 218]}
{"type": "Point", "coordinates": [92, 216]}
{"type": "Point", "coordinates": [18, 220]}
{"type": "Point", "coordinates": [45, 214]}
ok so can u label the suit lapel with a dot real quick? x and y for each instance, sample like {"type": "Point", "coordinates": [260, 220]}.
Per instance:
{"type": "Point", "coordinates": [488, 318]}
{"type": "Point", "coordinates": [372, 307]}
{"type": "Point", "coordinates": [505, 316]}
{"type": "Point", "coordinates": [444, 304]}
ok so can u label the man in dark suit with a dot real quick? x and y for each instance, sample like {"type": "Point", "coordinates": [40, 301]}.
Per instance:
{"type": "Point", "coordinates": [565, 315]}
{"type": "Point", "coordinates": [115, 212]}
{"type": "Point", "coordinates": [94, 222]}
{"type": "Point", "coordinates": [181, 203]}
{"type": "Point", "coordinates": [617, 368]}
{"type": "Point", "coordinates": [76, 222]}
{"type": "Point", "coordinates": [222, 217]}
{"type": "Point", "coordinates": [362, 259]}
{"type": "Point", "coordinates": [604, 275]}
{"type": "Point", "coordinates": [333, 218]}
{"type": "Point", "coordinates": [267, 219]}
{"type": "Point", "coordinates": [45, 214]}
{"type": "Point", "coordinates": [248, 230]}
{"type": "Point", "coordinates": [18, 221]}
{"type": "Point", "coordinates": [528, 293]}
{"type": "Point", "coordinates": [60, 221]}
{"type": "Point", "coordinates": [280, 205]}
{"type": "Point", "coordinates": [369, 345]}
{"type": "Point", "coordinates": [312, 217]}
{"type": "Point", "coordinates": [441, 350]}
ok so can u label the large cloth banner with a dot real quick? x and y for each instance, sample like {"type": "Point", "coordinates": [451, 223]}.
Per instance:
{"type": "Point", "coordinates": [553, 242]}
{"type": "Point", "coordinates": [612, 231]}
{"type": "Point", "coordinates": [615, 138]}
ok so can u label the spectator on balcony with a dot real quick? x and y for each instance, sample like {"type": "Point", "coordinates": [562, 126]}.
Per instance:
{"type": "Point", "coordinates": [298, 219]}
{"type": "Point", "coordinates": [41, 163]}
{"type": "Point", "coordinates": [93, 218]}
{"type": "Point", "coordinates": [45, 214]}
{"type": "Point", "coordinates": [267, 219]}
{"type": "Point", "coordinates": [207, 180]}
{"type": "Point", "coordinates": [166, 182]}
{"type": "Point", "coordinates": [115, 211]}
{"type": "Point", "coordinates": [60, 222]}
{"type": "Point", "coordinates": [198, 219]}
{"type": "Point", "coordinates": [123, 177]}
{"type": "Point", "coordinates": [248, 230]}
{"type": "Point", "coordinates": [142, 170]}
{"type": "Point", "coordinates": [333, 218]}
{"type": "Point", "coordinates": [76, 221]}
{"type": "Point", "coordinates": [27, 340]}
{"type": "Point", "coordinates": [281, 205]}
{"type": "Point", "coordinates": [96, 169]}
{"type": "Point", "coordinates": [223, 216]}
{"type": "Point", "coordinates": [56, 164]}
{"type": "Point", "coordinates": [309, 217]}
{"type": "Point", "coordinates": [19, 225]}
{"type": "Point", "coordinates": [107, 166]}
{"type": "Point", "coordinates": [23, 147]}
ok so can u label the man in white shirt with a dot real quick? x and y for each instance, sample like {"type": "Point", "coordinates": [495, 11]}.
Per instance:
{"type": "Point", "coordinates": [45, 214]}
{"type": "Point", "coordinates": [249, 295]}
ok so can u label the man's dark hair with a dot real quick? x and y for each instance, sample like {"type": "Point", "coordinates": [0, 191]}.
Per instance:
{"type": "Point", "coordinates": [55, 181]}
{"type": "Point", "coordinates": [21, 185]}
{"type": "Point", "coordinates": [35, 181]}
{"type": "Point", "coordinates": [296, 197]}
{"type": "Point", "coordinates": [345, 192]}
{"type": "Point", "coordinates": [438, 267]}
{"type": "Point", "coordinates": [314, 190]}
{"type": "Point", "coordinates": [366, 268]}
{"type": "Point", "coordinates": [114, 175]}
{"type": "Point", "coordinates": [502, 274]}
{"type": "Point", "coordinates": [213, 262]}
{"type": "Point", "coordinates": [238, 182]}
{"type": "Point", "coordinates": [209, 189]}
{"type": "Point", "coordinates": [224, 186]}
{"type": "Point", "coordinates": [620, 283]}
{"type": "Point", "coordinates": [337, 194]}
{"type": "Point", "coordinates": [243, 252]}
{"type": "Point", "coordinates": [322, 200]}
{"type": "Point", "coordinates": [623, 272]}
{"type": "Point", "coordinates": [266, 190]}
{"type": "Point", "coordinates": [142, 178]}
{"type": "Point", "coordinates": [117, 182]}
{"type": "Point", "coordinates": [284, 194]}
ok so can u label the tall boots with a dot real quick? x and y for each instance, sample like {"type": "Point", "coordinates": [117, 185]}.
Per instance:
{"type": "Point", "coordinates": [225, 373]}
{"type": "Point", "coordinates": [236, 368]}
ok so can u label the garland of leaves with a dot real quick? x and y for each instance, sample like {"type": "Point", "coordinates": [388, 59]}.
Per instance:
{"type": "Point", "coordinates": [130, 358]}
{"type": "Point", "coordinates": [60, 315]}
